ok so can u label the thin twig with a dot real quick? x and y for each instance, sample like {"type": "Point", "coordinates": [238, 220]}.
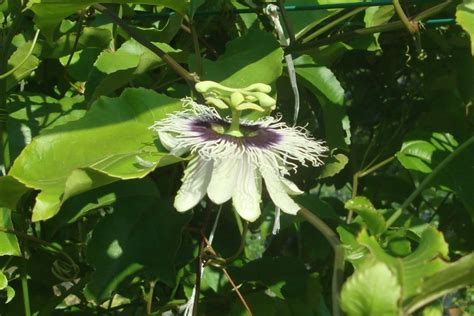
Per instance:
{"type": "Point", "coordinates": [339, 255]}
{"type": "Point", "coordinates": [232, 283]}
{"type": "Point", "coordinates": [197, 49]}
{"type": "Point", "coordinates": [190, 79]}
{"type": "Point", "coordinates": [76, 40]}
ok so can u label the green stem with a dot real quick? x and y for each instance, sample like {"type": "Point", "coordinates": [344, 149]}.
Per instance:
{"type": "Point", "coordinates": [339, 255]}
{"type": "Point", "coordinates": [24, 284]}
{"type": "Point", "coordinates": [197, 49]}
{"type": "Point", "coordinates": [403, 17]}
{"type": "Point", "coordinates": [428, 179]}
{"type": "Point", "coordinates": [331, 24]}
{"type": "Point", "coordinates": [363, 173]}
{"type": "Point", "coordinates": [392, 26]}
{"type": "Point", "coordinates": [149, 300]}
{"type": "Point", "coordinates": [234, 128]}
{"type": "Point", "coordinates": [377, 166]}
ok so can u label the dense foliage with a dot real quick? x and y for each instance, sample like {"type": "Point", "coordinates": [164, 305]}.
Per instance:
{"type": "Point", "coordinates": [86, 194]}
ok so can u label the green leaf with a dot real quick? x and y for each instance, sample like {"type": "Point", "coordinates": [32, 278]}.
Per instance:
{"type": "Point", "coordinates": [140, 236]}
{"type": "Point", "coordinates": [254, 57]}
{"type": "Point", "coordinates": [32, 113]}
{"type": "Point", "coordinates": [424, 152]}
{"type": "Point", "coordinates": [373, 290]}
{"type": "Point", "coordinates": [465, 18]}
{"type": "Point", "coordinates": [11, 190]}
{"type": "Point", "coordinates": [49, 13]}
{"type": "Point", "coordinates": [333, 166]}
{"type": "Point", "coordinates": [118, 131]}
{"type": "Point", "coordinates": [10, 294]}
{"type": "Point", "coordinates": [456, 275]}
{"type": "Point", "coordinates": [90, 37]}
{"type": "Point", "coordinates": [355, 253]}
{"type": "Point", "coordinates": [372, 218]}
{"type": "Point", "coordinates": [285, 276]}
{"type": "Point", "coordinates": [25, 69]}
{"type": "Point", "coordinates": [8, 242]}
{"type": "Point", "coordinates": [322, 82]}
{"type": "Point", "coordinates": [375, 16]}
{"type": "Point", "coordinates": [321, 79]}
{"type": "Point", "coordinates": [82, 204]}
{"type": "Point", "coordinates": [113, 70]}
{"type": "Point", "coordinates": [3, 281]}
{"type": "Point", "coordinates": [426, 260]}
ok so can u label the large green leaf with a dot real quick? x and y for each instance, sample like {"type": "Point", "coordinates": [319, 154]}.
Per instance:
{"type": "Point", "coordinates": [373, 290]}
{"type": "Point", "coordinates": [254, 57]}
{"type": "Point", "coordinates": [116, 192]}
{"type": "Point", "coordinates": [322, 82]}
{"type": "Point", "coordinates": [110, 142]}
{"type": "Point", "coordinates": [49, 13]}
{"type": "Point", "coordinates": [371, 218]}
{"type": "Point", "coordinates": [140, 236]}
{"type": "Point", "coordinates": [32, 113]}
{"type": "Point", "coordinates": [8, 242]}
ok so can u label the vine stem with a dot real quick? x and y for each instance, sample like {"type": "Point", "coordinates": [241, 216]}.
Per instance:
{"type": "Point", "coordinates": [187, 76]}
{"type": "Point", "coordinates": [392, 26]}
{"type": "Point", "coordinates": [232, 283]}
{"type": "Point", "coordinates": [428, 179]}
{"type": "Point", "coordinates": [360, 174]}
{"type": "Point", "coordinates": [339, 255]}
{"type": "Point", "coordinates": [403, 17]}
{"type": "Point", "coordinates": [331, 24]}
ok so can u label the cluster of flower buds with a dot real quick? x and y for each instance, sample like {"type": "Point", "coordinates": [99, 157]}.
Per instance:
{"type": "Point", "coordinates": [254, 97]}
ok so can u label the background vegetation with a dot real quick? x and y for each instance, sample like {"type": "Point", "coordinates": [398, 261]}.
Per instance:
{"type": "Point", "coordinates": [86, 218]}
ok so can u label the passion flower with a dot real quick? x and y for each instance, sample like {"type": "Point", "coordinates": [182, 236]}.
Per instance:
{"type": "Point", "coordinates": [228, 165]}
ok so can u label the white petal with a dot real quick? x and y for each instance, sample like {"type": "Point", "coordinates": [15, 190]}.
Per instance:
{"type": "Point", "coordinates": [290, 187]}
{"type": "Point", "coordinates": [277, 190]}
{"type": "Point", "coordinates": [223, 180]}
{"type": "Point", "coordinates": [167, 140]}
{"type": "Point", "coordinates": [172, 144]}
{"type": "Point", "coordinates": [195, 180]}
{"type": "Point", "coordinates": [246, 197]}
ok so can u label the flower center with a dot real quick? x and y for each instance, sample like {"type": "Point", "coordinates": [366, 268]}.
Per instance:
{"type": "Point", "coordinates": [249, 135]}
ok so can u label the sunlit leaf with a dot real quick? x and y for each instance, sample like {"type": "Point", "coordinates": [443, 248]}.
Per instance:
{"type": "Point", "coordinates": [8, 242]}
{"type": "Point", "coordinates": [117, 129]}
{"type": "Point", "coordinates": [372, 290]}
{"type": "Point", "coordinates": [254, 57]}
{"type": "Point", "coordinates": [372, 218]}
